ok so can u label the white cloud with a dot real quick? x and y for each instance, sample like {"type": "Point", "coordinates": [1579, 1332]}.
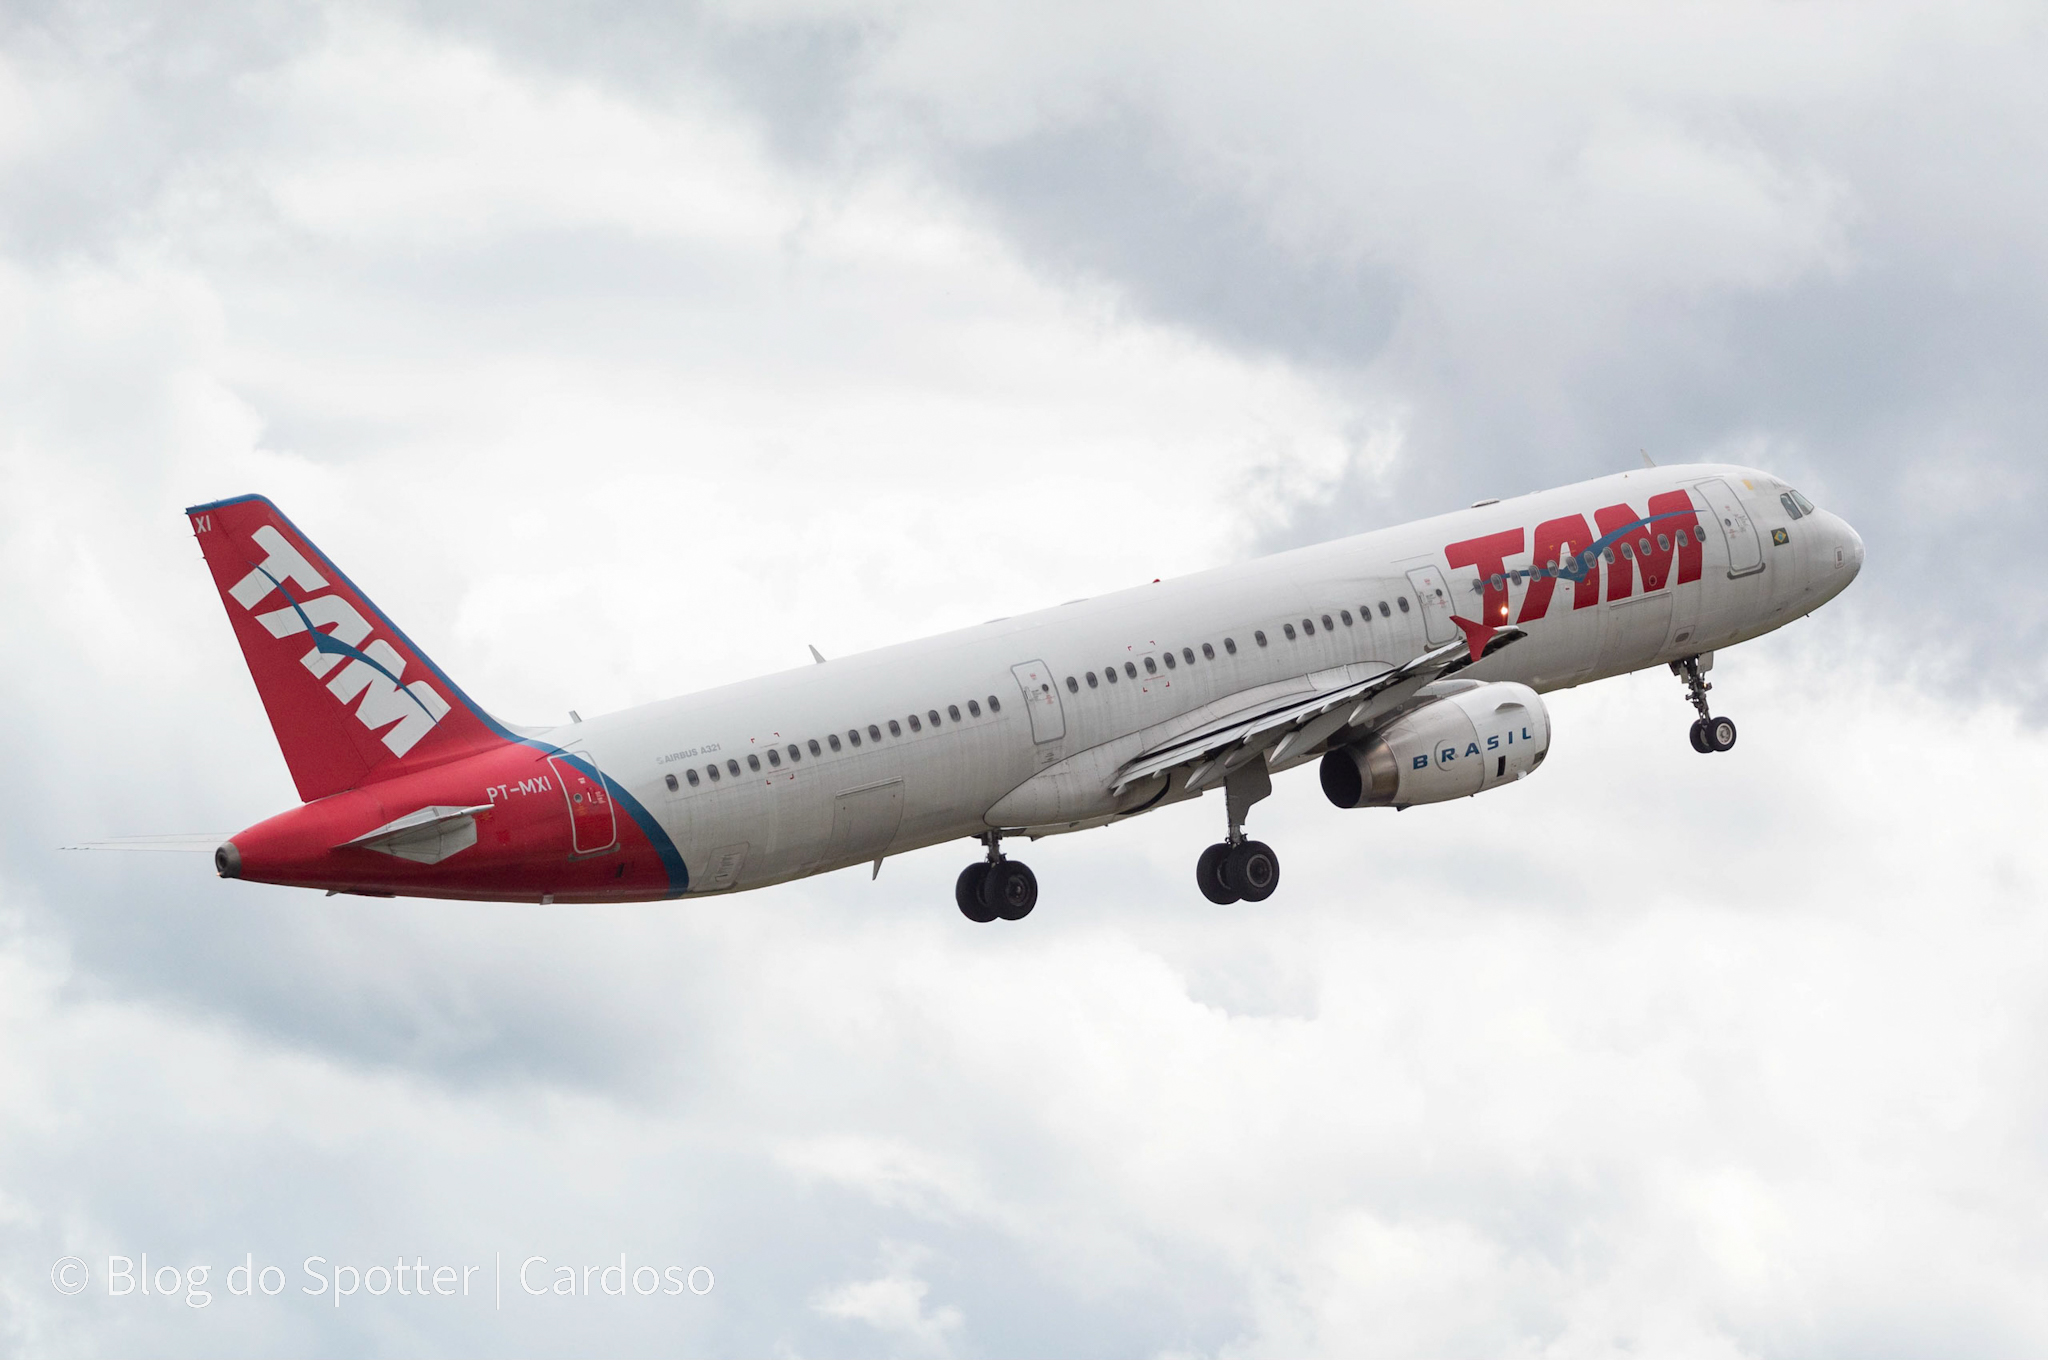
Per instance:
{"type": "Point", "coordinates": [608, 398]}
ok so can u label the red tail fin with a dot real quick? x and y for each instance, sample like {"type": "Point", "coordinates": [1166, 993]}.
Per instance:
{"type": "Point", "coordinates": [351, 699]}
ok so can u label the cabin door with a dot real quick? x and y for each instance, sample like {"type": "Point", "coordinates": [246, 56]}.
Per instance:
{"type": "Point", "coordinates": [593, 821]}
{"type": "Point", "coordinates": [1745, 550]}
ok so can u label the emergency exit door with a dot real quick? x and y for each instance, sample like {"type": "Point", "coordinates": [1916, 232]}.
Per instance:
{"type": "Point", "coordinates": [1042, 698]}
{"type": "Point", "coordinates": [1433, 593]}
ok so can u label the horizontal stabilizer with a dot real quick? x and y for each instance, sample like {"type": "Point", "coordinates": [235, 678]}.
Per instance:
{"type": "Point", "coordinates": [427, 836]}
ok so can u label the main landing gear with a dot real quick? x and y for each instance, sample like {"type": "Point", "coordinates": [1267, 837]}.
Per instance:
{"type": "Point", "coordinates": [1237, 869]}
{"type": "Point", "coordinates": [1709, 733]}
{"type": "Point", "coordinates": [996, 888]}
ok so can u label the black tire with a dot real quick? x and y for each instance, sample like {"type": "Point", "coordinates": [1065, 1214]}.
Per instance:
{"type": "Point", "coordinates": [1252, 871]}
{"type": "Point", "coordinates": [1700, 741]}
{"type": "Point", "coordinates": [967, 892]}
{"type": "Point", "coordinates": [1011, 890]}
{"type": "Point", "coordinates": [1721, 732]}
{"type": "Point", "coordinates": [1209, 875]}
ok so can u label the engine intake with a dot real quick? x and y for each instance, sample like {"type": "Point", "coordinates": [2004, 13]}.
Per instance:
{"type": "Point", "coordinates": [1453, 747]}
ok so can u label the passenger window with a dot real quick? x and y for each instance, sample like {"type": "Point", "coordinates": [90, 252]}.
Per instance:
{"type": "Point", "coordinates": [953, 712]}
{"type": "Point", "coordinates": [690, 775]}
{"type": "Point", "coordinates": [915, 725]}
{"type": "Point", "coordinates": [895, 728]}
{"type": "Point", "coordinates": [712, 770]}
{"type": "Point", "coordinates": [875, 733]}
{"type": "Point", "coordinates": [1663, 543]}
{"type": "Point", "coordinates": [1682, 539]}
{"type": "Point", "coordinates": [1131, 669]}
{"type": "Point", "coordinates": [670, 780]}
{"type": "Point", "coordinates": [754, 763]}
{"type": "Point", "coordinates": [1628, 551]}
{"type": "Point", "coordinates": [1073, 685]}
{"type": "Point", "coordinates": [1385, 612]}
{"type": "Point", "coordinates": [995, 705]}
{"type": "Point", "coordinates": [1402, 600]}
{"type": "Point", "coordinates": [1151, 666]}
{"type": "Point", "coordinates": [833, 741]}
{"type": "Point", "coordinates": [1208, 652]}
{"type": "Point", "coordinates": [813, 744]}
{"type": "Point", "coordinates": [1345, 615]}
{"type": "Point", "coordinates": [1259, 637]}
{"type": "Point", "coordinates": [1170, 662]}
{"type": "Point", "coordinates": [774, 758]}
{"type": "Point", "coordinates": [1607, 556]}
{"type": "Point", "coordinates": [973, 708]}
{"type": "Point", "coordinates": [1327, 625]}
{"type": "Point", "coordinates": [1288, 629]}
{"type": "Point", "coordinates": [796, 753]}
{"type": "Point", "coordinates": [932, 716]}
{"type": "Point", "coordinates": [734, 766]}
{"type": "Point", "coordinates": [1230, 645]}
{"type": "Point", "coordinates": [1187, 654]}
{"type": "Point", "coordinates": [1109, 673]}
{"type": "Point", "coordinates": [1092, 681]}
{"type": "Point", "coordinates": [853, 735]}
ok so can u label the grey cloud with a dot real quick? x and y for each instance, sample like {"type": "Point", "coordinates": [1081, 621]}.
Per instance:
{"type": "Point", "coordinates": [1107, 201]}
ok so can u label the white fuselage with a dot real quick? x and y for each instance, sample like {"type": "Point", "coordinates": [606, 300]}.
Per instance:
{"type": "Point", "coordinates": [1046, 730]}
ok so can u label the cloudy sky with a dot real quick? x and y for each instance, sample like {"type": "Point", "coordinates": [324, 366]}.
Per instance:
{"type": "Point", "coordinates": [627, 351]}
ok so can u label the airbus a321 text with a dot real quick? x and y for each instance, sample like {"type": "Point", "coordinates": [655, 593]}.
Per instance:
{"type": "Point", "coordinates": [1409, 663]}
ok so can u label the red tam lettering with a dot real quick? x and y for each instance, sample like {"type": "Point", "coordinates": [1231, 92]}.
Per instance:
{"type": "Point", "coordinates": [1488, 555]}
{"type": "Point", "coordinates": [1556, 541]}
{"type": "Point", "coordinates": [1651, 546]}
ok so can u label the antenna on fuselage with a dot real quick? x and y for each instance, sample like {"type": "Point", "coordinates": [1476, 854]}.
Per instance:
{"type": "Point", "coordinates": [816, 655]}
{"type": "Point", "coordinates": [1647, 460]}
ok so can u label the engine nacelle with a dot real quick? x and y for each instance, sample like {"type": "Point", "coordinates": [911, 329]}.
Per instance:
{"type": "Point", "coordinates": [1467, 741]}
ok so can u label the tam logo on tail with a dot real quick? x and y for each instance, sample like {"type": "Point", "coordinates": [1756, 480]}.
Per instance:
{"type": "Point", "coordinates": [375, 673]}
{"type": "Point", "coordinates": [359, 704]}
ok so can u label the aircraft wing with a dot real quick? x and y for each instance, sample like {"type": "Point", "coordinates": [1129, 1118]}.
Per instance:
{"type": "Point", "coordinates": [1294, 724]}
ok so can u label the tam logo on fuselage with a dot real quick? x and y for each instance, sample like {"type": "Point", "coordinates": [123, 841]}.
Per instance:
{"type": "Point", "coordinates": [373, 678]}
{"type": "Point", "coordinates": [1654, 546]}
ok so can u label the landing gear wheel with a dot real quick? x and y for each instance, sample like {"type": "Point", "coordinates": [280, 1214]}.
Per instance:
{"type": "Point", "coordinates": [1701, 742]}
{"type": "Point", "coordinates": [967, 892]}
{"type": "Point", "coordinates": [1252, 870]}
{"type": "Point", "coordinates": [1721, 733]}
{"type": "Point", "coordinates": [1209, 875]}
{"type": "Point", "coordinates": [1010, 890]}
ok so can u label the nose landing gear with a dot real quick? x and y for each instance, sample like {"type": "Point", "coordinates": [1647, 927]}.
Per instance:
{"type": "Point", "coordinates": [996, 888]}
{"type": "Point", "coordinates": [1237, 869]}
{"type": "Point", "coordinates": [1709, 733]}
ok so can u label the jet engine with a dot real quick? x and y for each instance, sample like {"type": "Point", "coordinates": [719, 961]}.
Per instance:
{"type": "Point", "coordinates": [1465, 741]}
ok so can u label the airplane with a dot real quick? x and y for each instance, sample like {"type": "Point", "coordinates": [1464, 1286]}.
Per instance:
{"type": "Point", "coordinates": [1408, 663]}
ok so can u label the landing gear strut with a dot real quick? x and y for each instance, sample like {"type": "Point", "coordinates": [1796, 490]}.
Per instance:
{"type": "Point", "coordinates": [995, 888]}
{"type": "Point", "coordinates": [1237, 869]}
{"type": "Point", "coordinates": [1709, 733]}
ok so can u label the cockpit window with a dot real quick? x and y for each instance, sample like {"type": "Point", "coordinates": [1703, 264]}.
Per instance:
{"type": "Point", "coordinates": [1792, 509]}
{"type": "Point", "coordinates": [1801, 502]}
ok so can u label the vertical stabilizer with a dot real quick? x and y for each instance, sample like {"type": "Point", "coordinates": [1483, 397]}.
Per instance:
{"type": "Point", "coordinates": [351, 699]}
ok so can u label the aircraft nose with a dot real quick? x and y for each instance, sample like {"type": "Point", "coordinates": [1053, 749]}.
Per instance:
{"type": "Point", "coordinates": [1844, 555]}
